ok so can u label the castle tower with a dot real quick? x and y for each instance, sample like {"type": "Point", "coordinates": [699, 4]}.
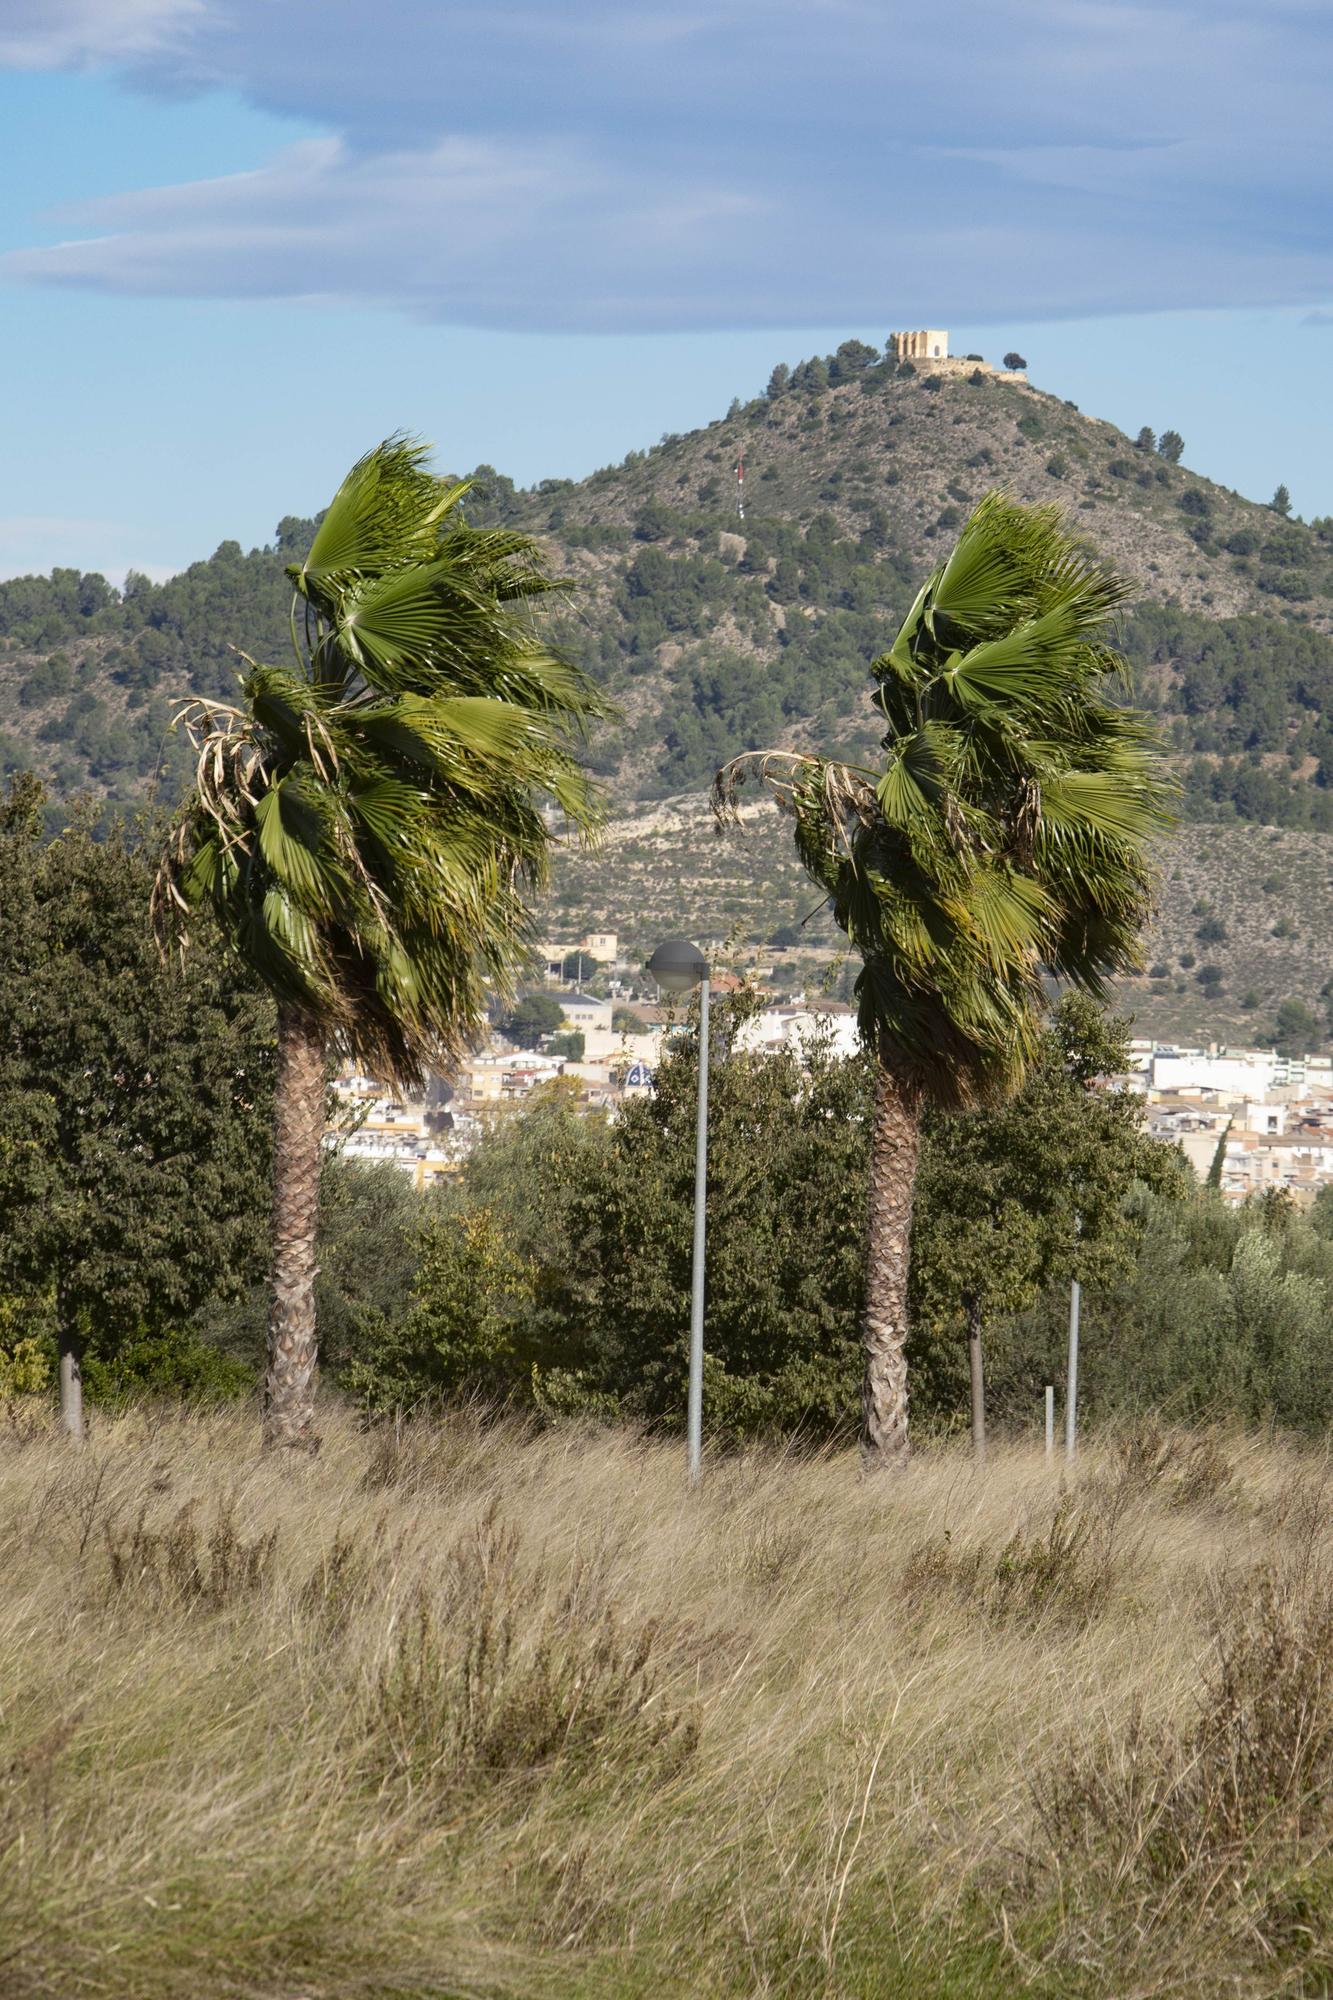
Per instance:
{"type": "Point", "coordinates": [929, 343]}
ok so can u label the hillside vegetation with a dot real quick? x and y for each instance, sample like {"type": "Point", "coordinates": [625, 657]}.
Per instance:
{"type": "Point", "coordinates": [1261, 897]}
{"type": "Point", "coordinates": [718, 635]}
{"type": "Point", "coordinates": [463, 1711]}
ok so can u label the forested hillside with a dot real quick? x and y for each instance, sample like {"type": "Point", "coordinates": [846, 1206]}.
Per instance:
{"type": "Point", "coordinates": [717, 634]}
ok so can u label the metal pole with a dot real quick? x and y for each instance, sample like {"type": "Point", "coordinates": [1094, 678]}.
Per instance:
{"type": "Point", "coordinates": [1071, 1384]}
{"type": "Point", "coordinates": [694, 1415]}
{"type": "Point", "coordinates": [1050, 1421]}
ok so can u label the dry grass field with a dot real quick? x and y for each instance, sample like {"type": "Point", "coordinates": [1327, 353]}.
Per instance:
{"type": "Point", "coordinates": [464, 1711]}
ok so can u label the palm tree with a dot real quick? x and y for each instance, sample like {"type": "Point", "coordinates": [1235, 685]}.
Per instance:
{"type": "Point", "coordinates": [1004, 836]}
{"type": "Point", "coordinates": [367, 820]}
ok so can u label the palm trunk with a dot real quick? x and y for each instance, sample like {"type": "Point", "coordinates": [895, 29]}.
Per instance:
{"type": "Point", "coordinates": [298, 1131]}
{"type": "Point", "coordinates": [978, 1379]}
{"type": "Point", "coordinates": [69, 1348]}
{"type": "Point", "coordinates": [894, 1145]}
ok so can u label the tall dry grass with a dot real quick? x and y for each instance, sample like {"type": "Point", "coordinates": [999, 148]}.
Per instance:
{"type": "Point", "coordinates": [460, 1710]}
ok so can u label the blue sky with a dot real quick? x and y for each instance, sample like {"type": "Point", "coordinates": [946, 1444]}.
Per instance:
{"type": "Point", "coordinates": [242, 239]}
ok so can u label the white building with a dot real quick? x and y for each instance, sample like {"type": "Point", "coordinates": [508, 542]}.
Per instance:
{"type": "Point", "coordinates": [780, 1027]}
{"type": "Point", "coordinates": [581, 1010]}
{"type": "Point", "coordinates": [1244, 1073]}
{"type": "Point", "coordinates": [928, 343]}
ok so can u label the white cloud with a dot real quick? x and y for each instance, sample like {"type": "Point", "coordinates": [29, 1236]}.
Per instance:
{"type": "Point", "coordinates": [760, 162]}
{"type": "Point", "coordinates": [466, 229]}
{"type": "Point", "coordinates": [74, 34]}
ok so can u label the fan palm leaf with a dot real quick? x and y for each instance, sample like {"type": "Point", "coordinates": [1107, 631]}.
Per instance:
{"type": "Point", "coordinates": [370, 819]}
{"type": "Point", "coordinates": [1005, 837]}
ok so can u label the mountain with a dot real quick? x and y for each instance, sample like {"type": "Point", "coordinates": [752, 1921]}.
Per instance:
{"type": "Point", "coordinates": [718, 634]}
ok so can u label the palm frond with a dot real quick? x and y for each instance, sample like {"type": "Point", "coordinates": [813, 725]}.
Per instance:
{"type": "Point", "coordinates": [385, 516]}
{"type": "Point", "coordinates": [368, 824]}
{"type": "Point", "coordinates": [1011, 823]}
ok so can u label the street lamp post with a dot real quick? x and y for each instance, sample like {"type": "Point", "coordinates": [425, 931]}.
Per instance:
{"type": "Point", "coordinates": [678, 966]}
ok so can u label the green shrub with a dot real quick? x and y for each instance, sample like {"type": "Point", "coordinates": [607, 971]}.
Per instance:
{"type": "Point", "coordinates": [171, 1361]}
{"type": "Point", "coordinates": [465, 1330]}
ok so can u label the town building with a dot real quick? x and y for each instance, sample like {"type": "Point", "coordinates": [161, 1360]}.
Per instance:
{"type": "Point", "coordinates": [1251, 1118]}
{"type": "Point", "coordinates": [600, 946]}
{"type": "Point", "coordinates": [582, 1010]}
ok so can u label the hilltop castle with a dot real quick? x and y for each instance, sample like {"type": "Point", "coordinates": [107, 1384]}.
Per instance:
{"type": "Point", "coordinates": [930, 344]}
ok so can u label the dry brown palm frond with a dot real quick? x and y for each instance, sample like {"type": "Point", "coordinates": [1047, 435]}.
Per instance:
{"type": "Point", "coordinates": [1027, 819]}
{"type": "Point", "coordinates": [848, 792]}
{"type": "Point", "coordinates": [314, 726]}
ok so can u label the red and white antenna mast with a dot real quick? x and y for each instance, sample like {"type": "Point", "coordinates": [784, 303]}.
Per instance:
{"type": "Point", "coordinates": [740, 485]}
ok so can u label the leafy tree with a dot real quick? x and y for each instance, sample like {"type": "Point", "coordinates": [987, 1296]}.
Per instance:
{"type": "Point", "coordinates": [370, 1222]}
{"type": "Point", "coordinates": [570, 1043]}
{"type": "Point", "coordinates": [529, 1169]}
{"type": "Point", "coordinates": [135, 1096]}
{"type": "Point", "coordinates": [464, 1331]}
{"type": "Point", "coordinates": [779, 381]}
{"type": "Point", "coordinates": [1013, 359]}
{"type": "Point", "coordinates": [625, 1021]}
{"type": "Point", "coordinates": [1222, 1314]}
{"type": "Point", "coordinates": [1211, 931]}
{"type": "Point", "coordinates": [851, 359]}
{"type": "Point", "coordinates": [785, 1254]}
{"type": "Point", "coordinates": [365, 823]}
{"type": "Point", "coordinates": [1296, 1029]}
{"type": "Point", "coordinates": [1006, 830]}
{"type": "Point", "coordinates": [532, 1018]}
{"type": "Point", "coordinates": [1026, 1196]}
{"type": "Point", "coordinates": [1146, 439]}
{"type": "Point", "coordinates": [1171, 446]}
{"type": "Point", "coordinates": [1281, 502]}
{"type": "Point", "coordinates": [652, 523]}
{"type": "Point", "coordinates": [577, 966]}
